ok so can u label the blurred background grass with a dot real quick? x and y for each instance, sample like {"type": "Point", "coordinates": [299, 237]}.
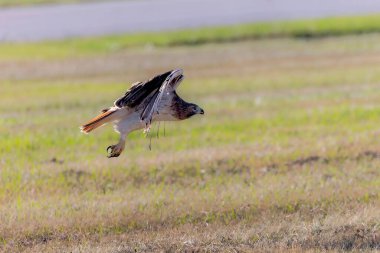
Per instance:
{"type": "Point", "coordinates": [287, 154]}
{"type": "Point", "coordinates": [334, 26]}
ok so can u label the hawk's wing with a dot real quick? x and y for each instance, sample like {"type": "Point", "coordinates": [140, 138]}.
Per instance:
{"type": "Point", "coordinates": [159, 86]}
{"type": "Point", "coordinates": [140, 91]}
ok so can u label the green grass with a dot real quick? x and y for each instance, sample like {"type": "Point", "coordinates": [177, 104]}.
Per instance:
{"type": "Point", "coordinates": [286, 156]}
{"type": "Point", "coordinates": [291, 29]}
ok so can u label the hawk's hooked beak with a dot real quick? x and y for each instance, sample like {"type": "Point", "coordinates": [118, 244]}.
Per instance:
{"type": "Point", "coordinates": [199, 110]}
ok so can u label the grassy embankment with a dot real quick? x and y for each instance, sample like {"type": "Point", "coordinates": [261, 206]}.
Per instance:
{"type": "Point", "coordinates": [286, 156]}
{"type": "Point", "coordinates": [292, 29]}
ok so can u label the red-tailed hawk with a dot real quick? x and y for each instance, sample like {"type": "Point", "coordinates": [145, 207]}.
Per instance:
{"type": "Point", "coordinates": [144, 103]}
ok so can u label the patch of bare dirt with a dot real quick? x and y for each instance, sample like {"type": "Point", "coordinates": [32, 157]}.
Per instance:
{"type": "Point", "coordinates": [307, 160]}
{"type": "Point", "coordinates": [369, 154]}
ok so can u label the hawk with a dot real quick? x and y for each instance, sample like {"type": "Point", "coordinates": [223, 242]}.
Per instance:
{"type": "Point", "coordinates": [144, 103]}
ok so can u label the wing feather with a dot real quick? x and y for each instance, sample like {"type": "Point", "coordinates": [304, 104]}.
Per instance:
{"type": "Point", "coordinates": [154, 89]}
{"type": "Point", "coordinates": [166, 88]}
{"type": "Point", "coordinates": [152, 107]}
{"type": "Point", "coordinates": [139, 91]}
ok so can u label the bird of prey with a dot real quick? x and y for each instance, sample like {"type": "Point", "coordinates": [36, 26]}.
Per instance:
{"type": "Point", "coordinates": [144, 103]}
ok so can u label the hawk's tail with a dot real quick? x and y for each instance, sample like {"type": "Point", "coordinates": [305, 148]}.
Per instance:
{"type": "Point", "coordinates": [103, 118]}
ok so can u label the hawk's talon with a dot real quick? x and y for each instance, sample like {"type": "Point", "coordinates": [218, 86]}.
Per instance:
{"type": "Point", "coordinates": [115, 151]}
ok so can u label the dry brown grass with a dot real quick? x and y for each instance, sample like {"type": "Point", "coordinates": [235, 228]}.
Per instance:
{"type": "Point", "coordinates": [286, 158]}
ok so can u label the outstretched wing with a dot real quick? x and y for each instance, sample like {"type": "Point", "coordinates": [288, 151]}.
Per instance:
{"type": "Point", "coordinates": [141, 90]}
{"type": "Point", "coordinates": [159, 86]}
{"type": "Point", "coordinates": [168, 86]}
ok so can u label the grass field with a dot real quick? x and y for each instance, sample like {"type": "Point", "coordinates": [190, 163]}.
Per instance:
{"type": "Point", "coordinates": [286, 157]}
{"type": "Point", "coordinates": [299, 29]}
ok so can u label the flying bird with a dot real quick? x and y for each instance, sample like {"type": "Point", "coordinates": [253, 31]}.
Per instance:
{"type": "Point", "coordinates": [143, 104]}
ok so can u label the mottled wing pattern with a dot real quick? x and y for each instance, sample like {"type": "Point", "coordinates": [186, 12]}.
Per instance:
{"type": "Point", "coordinates": [140, 91]}
{"type": "Point", "coordinates": [152, 107]}
{"type": "Point", "coordinates": [159, 86]}
{"type": "Point", "coordinates": [166, 89]}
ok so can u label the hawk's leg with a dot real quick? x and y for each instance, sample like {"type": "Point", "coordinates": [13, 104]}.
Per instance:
{"type": "Point", "coordinates": [115, 150]}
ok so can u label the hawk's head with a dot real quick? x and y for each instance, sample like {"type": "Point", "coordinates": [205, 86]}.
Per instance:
{"type": "Point", "coordinates": [182, 110]}
{"type": "Point", "coordinates": [193, 109]}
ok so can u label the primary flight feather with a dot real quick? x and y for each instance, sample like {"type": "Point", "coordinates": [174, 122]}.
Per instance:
{"type": "Point", "coordinates": [144, 103]}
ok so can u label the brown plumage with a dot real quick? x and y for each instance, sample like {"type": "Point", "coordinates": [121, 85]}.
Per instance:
{"type": "Point", "coordinates": [145, 102]}
{"type": "Point", "coordinates": [98, 121]}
